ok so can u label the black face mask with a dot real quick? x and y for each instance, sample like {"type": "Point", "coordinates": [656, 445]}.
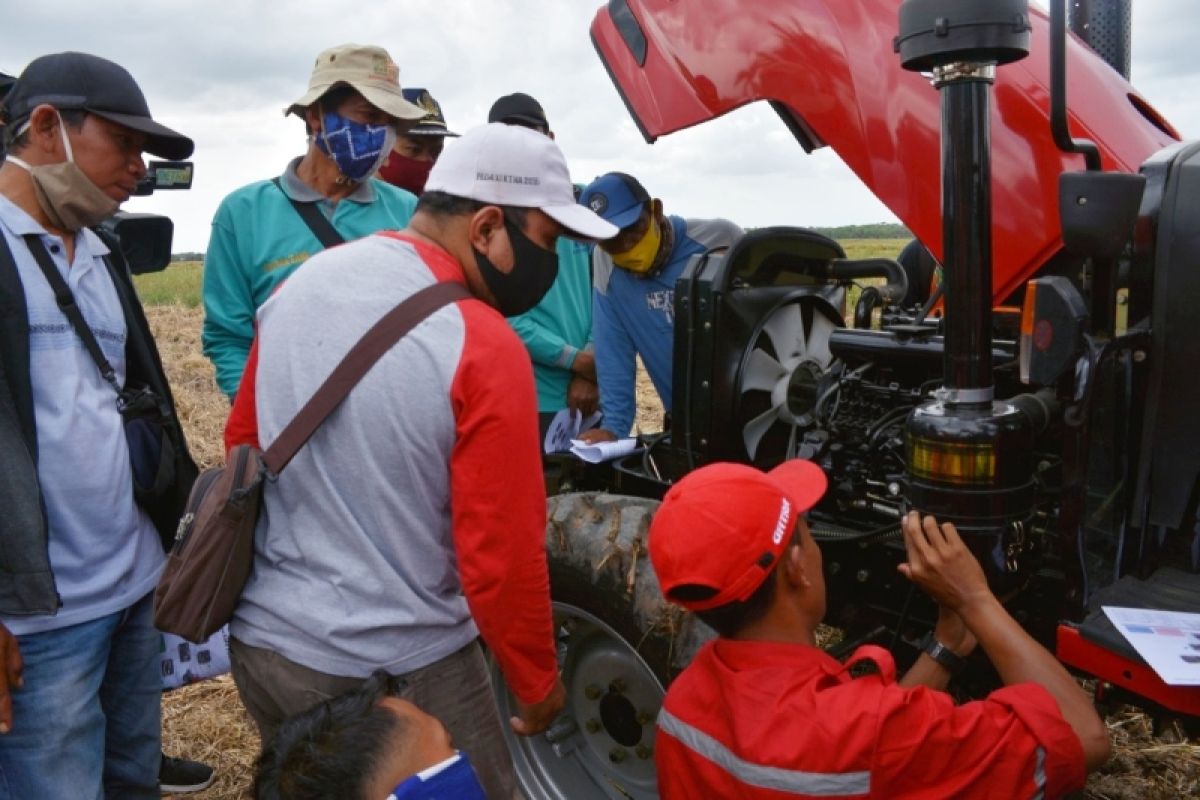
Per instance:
{"type": "Point", "coordinates": [533, 273]}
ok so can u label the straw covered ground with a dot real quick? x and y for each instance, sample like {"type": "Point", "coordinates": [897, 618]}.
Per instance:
{"type": "Point", "coordinates": [206, 721]}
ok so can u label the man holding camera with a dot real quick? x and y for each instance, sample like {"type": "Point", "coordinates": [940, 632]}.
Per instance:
{"type": "Point", "coordinates": [79, 654]}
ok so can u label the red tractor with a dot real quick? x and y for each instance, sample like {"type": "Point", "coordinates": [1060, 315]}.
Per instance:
{"type": "Point", "coordinates": [1043, 396]}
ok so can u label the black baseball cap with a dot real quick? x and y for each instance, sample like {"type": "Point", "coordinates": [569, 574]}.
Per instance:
{"type": "Point", "coordinates": [521, 109]}
{"type": "Point", "coordinates": [79, 81]}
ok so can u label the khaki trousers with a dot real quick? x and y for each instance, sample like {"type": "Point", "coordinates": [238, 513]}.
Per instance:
{"type": "Point", "coordinates": [457, 690]}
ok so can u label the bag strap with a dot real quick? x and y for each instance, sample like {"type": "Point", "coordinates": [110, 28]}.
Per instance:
{"type": "Point", "coordinates": [321, 227]}
{"type": "Point", "coordinates": [369, 349]}
{"type": "Point", "coordinates": [66, 304]}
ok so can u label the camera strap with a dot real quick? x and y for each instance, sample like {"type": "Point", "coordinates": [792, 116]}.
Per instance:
{"type": "Point", "coordinates": [321, 227]}
{"type": "Point", "coordinates": [66, 303]}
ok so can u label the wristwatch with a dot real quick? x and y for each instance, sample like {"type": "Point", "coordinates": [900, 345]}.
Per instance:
{"type": "Point", "coordinates": [952, 661]}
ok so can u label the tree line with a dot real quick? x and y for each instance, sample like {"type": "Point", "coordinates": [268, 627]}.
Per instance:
{"type": "Point", "coordinates": [874, 230]}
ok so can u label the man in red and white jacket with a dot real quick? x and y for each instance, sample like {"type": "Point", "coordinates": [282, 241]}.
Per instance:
{"type": "Point", "coordinates": [761, 712]}
{"type": "Point", "coordinates": [413, 521]}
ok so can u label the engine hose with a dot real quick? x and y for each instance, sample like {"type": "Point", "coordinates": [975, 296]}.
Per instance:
{"type": "Point", "coordinates": [897, 279]}
{"type": "Point", "coordinates": [827, 533]}
{"type": "Point", "coordinates": [868, 301]}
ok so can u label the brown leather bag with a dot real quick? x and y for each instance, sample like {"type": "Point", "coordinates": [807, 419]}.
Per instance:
{"type": "Point", "coordinates": [210, 561]}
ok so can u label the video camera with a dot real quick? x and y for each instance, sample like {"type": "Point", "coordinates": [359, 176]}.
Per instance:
{"type": "Point", "coordinates": [145, 239]}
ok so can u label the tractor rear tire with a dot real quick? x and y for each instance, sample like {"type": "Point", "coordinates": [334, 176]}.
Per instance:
{"type": "Point", "coordinates": [619, 646]}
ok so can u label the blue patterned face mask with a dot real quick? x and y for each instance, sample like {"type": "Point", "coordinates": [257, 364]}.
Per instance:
{"type": "Point", "coordinates": [454, 778]}
{"type": "Point", "coordinates": [358, 148]}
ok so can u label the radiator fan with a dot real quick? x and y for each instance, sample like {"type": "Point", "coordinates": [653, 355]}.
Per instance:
{"type": "Point", "coordinates": [789, 360]}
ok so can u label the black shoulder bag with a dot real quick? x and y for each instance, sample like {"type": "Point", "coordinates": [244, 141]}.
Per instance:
{"type": "Point", "coordinates": [144, 412]}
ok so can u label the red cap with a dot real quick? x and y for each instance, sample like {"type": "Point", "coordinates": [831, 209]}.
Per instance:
{"type": "Point", "coordinates": [724, 526]}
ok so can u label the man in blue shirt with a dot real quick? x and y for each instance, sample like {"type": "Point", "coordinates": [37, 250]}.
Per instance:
{"type": "Point", "coordinates": [353, 110]}
{"type": "Point", "coordinates": [633, 299]}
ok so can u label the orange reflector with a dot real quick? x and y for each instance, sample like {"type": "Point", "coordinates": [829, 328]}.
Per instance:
{"type": "Point", "coordinates": [951, 462]}
{"type": "Point", "coordinates": [1025, 353]}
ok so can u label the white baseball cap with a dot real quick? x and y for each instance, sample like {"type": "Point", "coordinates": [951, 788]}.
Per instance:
{"type": "Point", "coordinates": [513, 166]}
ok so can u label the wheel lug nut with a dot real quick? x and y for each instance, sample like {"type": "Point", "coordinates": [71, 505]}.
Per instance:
{"type": "Point", "coordinates": [644, 718]}
{"type": "Point", "coordinates": [644, 752]}
{"type": "Point", "coordinates": [592, 726]}
{"type": "Point", "coordinates": [617, 755]}
{"type": "Point", "coordinates": [592, 692]}
{"type": "Point", "coordinates": [617, 686]}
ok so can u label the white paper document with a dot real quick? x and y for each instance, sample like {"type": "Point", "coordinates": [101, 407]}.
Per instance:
{"type": "Point", "coordinates": [1168, 640]}
{"type": "Point", "coordinates": [566, 426]}
{"type": "Point", "coordinates": [603, 451]}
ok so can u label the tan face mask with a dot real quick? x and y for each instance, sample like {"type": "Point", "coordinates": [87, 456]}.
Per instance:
{"type": "Point", "coordinates": [66, 195]}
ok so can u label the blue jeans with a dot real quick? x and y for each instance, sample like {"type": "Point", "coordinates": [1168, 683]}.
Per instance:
{"type": "Point", "coordinates": [87, 723]}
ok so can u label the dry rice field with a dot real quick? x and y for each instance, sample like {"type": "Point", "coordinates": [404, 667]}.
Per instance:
{"type": "Point", "coordinates": [206, 721]}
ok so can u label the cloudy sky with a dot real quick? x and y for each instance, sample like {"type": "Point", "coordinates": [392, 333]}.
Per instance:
{"type": "Point", "coordinates": [222, 71]}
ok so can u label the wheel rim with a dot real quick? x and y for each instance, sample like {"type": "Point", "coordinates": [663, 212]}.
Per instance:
{"type": "Point", "coordinates": [602, 745]}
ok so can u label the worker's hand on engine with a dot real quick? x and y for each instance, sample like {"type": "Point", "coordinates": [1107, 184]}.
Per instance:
{"type": "Point", "coordinates": [940, 563]}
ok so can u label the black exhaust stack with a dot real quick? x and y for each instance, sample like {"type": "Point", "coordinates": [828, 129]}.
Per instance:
{"type": "Point", "coordinates": [969, 456]}
{"type": "Point", "coordinates": [1105, 26]}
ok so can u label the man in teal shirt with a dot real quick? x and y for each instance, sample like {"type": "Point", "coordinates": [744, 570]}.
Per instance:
{"type": "Point", "coordinates": [557, 332]}
{"type": "Point", "coordinates": [353, 110]}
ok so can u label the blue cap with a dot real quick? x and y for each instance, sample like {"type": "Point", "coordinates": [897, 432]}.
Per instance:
{"type": "Point", "coordinates": [616, 197]}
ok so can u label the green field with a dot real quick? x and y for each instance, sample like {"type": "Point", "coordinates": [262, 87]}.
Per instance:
{"type": "Point", "coordinates": [873, 248]}
{"type": "Point", "coordinates": [179, 284]}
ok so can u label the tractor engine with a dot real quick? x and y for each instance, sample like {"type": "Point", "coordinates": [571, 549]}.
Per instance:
{"type": "Point", "coordinates": [926, 412]}
{"type": "Point", "coordinates": [1041, 406]}
{"type": "Point", "coordinates": [767, 370]}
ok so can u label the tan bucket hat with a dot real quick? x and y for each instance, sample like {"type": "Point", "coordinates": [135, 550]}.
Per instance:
{"type": "Point", "coordinates": [369, 70]}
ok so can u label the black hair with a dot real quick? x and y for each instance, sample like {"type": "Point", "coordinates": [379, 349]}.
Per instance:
{"type": "Point", "coordinates": [442, 204]}
{"type": "Point", "coordinates": [333, 749]}
{"type": "Point", "coordinates": [336, 95]}
{"type": "Point", "coordinates": [729, 619]}
{"type": "Point", "coordinates": [71, 117]}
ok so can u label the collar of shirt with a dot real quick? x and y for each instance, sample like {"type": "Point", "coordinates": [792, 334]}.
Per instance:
{"type": "Point", "coordinates": [19, 223]}
{"type": "Point", "coordinates": [444, 266]}
{"type": "Point", "coordinates": [301, 192]}
{"type": "Point", "coordinates": [802, 661]}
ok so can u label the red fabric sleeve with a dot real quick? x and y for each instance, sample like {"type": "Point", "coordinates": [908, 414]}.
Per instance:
{"type": "Point", "coordinates": [498, 502]}
{"type": "Point", "coordinates": [242, 425]}
{"type": "Point", "coordinates": [1010, 744]}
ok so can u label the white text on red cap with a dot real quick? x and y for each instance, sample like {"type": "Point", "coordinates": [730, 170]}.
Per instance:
{"type": "Point", "coordinates": [781, 526]}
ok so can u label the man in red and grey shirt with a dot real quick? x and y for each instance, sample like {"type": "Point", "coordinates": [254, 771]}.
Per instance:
{"type": "Point", "coordinates": [761, 712]}
{"type": "Point", "coordinates": [413, 521]}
